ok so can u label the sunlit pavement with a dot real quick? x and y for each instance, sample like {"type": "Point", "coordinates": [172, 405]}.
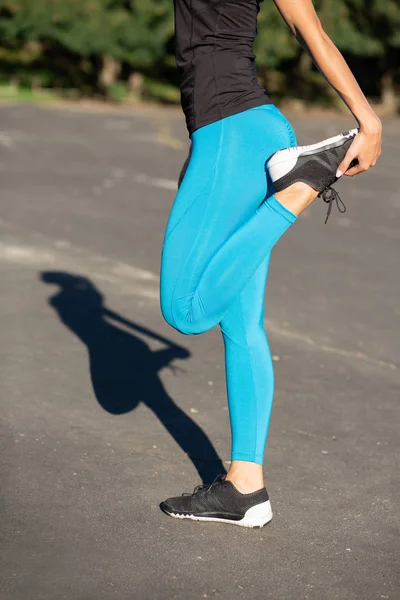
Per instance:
{"type": "Point", "coordinates": [106, 410]}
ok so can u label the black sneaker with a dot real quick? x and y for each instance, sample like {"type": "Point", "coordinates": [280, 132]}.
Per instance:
{"type": "Point", "coordinates": [315, 165]}
{"type": "Point", "coordinates": [221, 501]}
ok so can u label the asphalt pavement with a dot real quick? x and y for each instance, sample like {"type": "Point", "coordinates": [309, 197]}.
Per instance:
{"type": "Point", "coordinates": [106, 410]}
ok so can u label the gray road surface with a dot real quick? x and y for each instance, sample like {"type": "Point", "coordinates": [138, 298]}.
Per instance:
{"type": "Point", "coordinates": [106, 410]}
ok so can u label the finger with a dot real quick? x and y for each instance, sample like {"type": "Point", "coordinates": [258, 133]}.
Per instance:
{"type": "Point", "coordinates": [353, 171]}
{"type": "Point", "coordinates": [344, 165]}
{"type": "Point", "coordinates": [356, 170]}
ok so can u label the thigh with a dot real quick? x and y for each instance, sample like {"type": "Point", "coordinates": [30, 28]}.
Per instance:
{"type": "Point", "coordinates": [225, 169]}
{"type": "Point", "coordinates": [224, 183]}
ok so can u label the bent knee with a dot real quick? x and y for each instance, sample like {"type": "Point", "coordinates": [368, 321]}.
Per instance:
{"type": "Point", "coordinates": [179, 314]}
{"type": "Point", "coordinates": [182, 325]}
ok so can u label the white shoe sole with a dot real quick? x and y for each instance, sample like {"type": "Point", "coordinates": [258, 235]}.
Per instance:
{"type": "Point", "coordinates": [256, 516]}
{"type": "Point", "coordinates": [283, 161]}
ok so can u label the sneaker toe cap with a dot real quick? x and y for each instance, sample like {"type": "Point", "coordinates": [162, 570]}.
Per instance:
{"type": "Point", "coordinates": [179, 504]}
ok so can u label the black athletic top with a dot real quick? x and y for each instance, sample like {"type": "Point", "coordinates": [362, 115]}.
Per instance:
{"type": "Point", "coordinates": [214, 55]}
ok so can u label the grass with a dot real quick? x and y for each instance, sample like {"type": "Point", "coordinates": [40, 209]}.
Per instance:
{"type": "Point", "coordinates": [21, 94]}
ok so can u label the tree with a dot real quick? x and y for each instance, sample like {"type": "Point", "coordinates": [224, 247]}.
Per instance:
{"type": "Point", "coordinates": [105, 32]}
{"type": "Point", "coordinates": [274, 44]}
{"type": "Point", "coordinates": [378, 23]}
{"type": "Point", "coordinates": [279, 52]}
{"type": "Point", "coordinates": [94, 45]}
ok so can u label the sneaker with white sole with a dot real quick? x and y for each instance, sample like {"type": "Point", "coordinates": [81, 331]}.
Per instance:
{"type": "Point", "coordinates": [315, 165]}
{"type": "Point", "coordinates": [220, 501]}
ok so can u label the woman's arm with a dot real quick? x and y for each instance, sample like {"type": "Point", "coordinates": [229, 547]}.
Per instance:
{"type": "Point", "coordinates": [302, 19]}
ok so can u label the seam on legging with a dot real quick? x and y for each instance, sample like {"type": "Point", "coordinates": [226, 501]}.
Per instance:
{"type": "Point", "coordinates": [288, 126]}
{"type": "Point", "coordinates": [252, 369]}
{"type": "Point", "coordinates": [290, 130]}
{"type": "Point", "coordinates": [229, 337]}
{"type": "Point", "coordinates": [256, 400]}
{"type": "Point", "coordinates": [192, 203]}
{"type": "Point", "coordinates": [215, 171]}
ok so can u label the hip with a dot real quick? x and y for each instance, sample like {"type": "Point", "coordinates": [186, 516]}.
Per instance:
{"type": "Point", "coordinates": [248, 131]}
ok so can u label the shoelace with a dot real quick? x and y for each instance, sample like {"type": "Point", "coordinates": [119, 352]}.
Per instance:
{"type": "Point", "coordinates": [204, 486]}
{"type": "Point", "coordinates": [330, 195]}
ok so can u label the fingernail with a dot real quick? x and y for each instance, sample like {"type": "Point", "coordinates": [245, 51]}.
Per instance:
{"type": "Point", "coordinates": [338, 174]}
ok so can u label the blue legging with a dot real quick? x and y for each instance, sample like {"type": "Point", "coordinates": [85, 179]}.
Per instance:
{"type": "Point", "coordinates": [222, 227]}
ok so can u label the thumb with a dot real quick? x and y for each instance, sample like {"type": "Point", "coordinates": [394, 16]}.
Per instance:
{"type": "Point", "coordinates": [344, 165]}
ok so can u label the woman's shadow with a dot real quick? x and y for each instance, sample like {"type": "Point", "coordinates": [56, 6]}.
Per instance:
{"type": "Point", "coordinates": [124, 370]}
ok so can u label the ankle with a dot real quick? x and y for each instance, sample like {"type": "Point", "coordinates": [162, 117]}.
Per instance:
{"type": "Point", "coordinates": [247, 477]}
{"type": "Point", "coordinates": [245, 485]}
{"type": "Point", "coordinates": [297, 197]}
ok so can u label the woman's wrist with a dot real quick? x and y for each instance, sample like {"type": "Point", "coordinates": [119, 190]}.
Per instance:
{"type": "Point", "coordinates": [369, 122]}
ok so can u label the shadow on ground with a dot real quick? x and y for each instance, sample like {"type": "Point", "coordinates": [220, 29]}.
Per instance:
{"type": "Point", "coordinates": [124, 370]}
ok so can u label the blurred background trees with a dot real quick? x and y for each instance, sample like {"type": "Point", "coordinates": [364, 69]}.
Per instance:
{"type": "Point", "coordinates": [124, 49]}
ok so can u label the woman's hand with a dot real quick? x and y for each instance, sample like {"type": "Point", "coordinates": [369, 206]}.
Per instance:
{"type": "Point", "coordinates": [366, 148]}
{"type": "Point", "coordinates": [302, 19]}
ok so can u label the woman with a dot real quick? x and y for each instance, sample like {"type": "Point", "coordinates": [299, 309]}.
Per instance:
{"type": "Point", "coordinates": [228, 215]}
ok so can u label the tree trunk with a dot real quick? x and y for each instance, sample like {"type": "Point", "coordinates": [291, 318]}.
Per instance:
{"type": "Point", "coordinates": [389, 100]}
{"type": "Point", "coordinates": [305, 63]}
{"type": "Point", "coordinates": [109, 71]}
{"type": "Point", "coordinates": [135, 83]}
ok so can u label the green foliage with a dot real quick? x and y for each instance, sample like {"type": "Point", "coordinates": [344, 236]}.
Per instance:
{"type": "Point", "coordinates": [154, 89]}
{"type": "Point", "coordinates": [274, 42]}
{"type": "Point", "coordinates": [135, 31]}
{"type": "Point", "coordinates": [94, 46]}
{"type": "Point", "coordinates": [24, 94]}
{"type": "Point", "coordinates": [378, 22]}
{"type": "Point", "coordinates": [117, 92]}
